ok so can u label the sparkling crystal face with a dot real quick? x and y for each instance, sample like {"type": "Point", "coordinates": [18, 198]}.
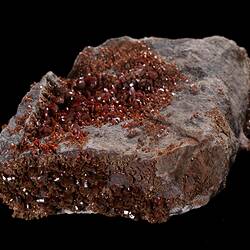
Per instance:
{"type": "Point", "coordinates": [119, 81]}
{"type": "Point", "coordinates": [113, 83]}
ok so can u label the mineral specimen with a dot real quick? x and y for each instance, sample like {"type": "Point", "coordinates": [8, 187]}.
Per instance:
{"type": "Point", "coordinates": [140, 128]}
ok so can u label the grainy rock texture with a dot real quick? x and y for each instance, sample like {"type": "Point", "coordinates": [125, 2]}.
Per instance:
{"type": "Point", "coordinates": [140, 128]}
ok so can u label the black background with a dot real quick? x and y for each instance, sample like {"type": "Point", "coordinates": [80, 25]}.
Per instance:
{"type": "Point", "coordinates": [36, 39]}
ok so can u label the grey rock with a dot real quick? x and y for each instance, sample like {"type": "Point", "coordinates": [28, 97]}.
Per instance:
{"type": "Point", "coordinates": [205, 130]}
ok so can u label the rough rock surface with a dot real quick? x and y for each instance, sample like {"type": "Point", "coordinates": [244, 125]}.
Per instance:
{"type": "Point", "coordinates": [115, 170]}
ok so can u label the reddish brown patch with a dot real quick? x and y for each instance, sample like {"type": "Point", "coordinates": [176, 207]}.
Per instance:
{"type": "Point", "coordinates": [118, 81]}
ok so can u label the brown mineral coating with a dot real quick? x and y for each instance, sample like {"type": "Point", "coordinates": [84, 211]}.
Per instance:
{"type": "Point", "coordinates": [140, 128]}
{"type": "Point", "coordinates": [123, 81]}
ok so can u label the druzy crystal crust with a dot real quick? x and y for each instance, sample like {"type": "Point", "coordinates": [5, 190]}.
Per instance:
{"type": "Point", "coordinates": [139, 128]}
